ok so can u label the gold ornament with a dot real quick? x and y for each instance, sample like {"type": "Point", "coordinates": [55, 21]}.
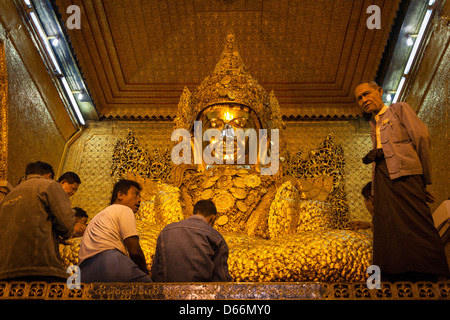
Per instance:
{"type": "Point", "coordinates": [252, 181]}
{"type": "Point", "coordinates": [241, 206]}
{"type": "Point", "coordinates": [207, 194]}
{"type": "Point", "coordinates": [222, 220]}
{"type": "Point", "coordinates": [238, 193]}
{"type": "Point", "coordinates": [223, 200]}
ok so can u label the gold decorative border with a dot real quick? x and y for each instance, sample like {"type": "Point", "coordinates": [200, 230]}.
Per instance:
{"type": "Point", "coordinates": [16, 290]}
{"type": "Point", "coordinates": [388, 291]}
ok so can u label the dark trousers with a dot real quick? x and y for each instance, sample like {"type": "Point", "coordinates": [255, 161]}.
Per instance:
{"type": "Point", "coordinates": [406, 245]}
{"type": "Point", "coordinates": [111, 266]}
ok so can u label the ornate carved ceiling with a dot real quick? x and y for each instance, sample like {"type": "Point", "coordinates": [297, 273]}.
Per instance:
{"type": "Point", "coordinates": [138, 55]}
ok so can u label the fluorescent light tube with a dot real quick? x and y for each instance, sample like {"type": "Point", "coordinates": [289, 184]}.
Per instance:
{"type": "Point", "coordinates": [399, 89]}
{"type": "Point", "coordinates": [45, 40]}
{"type": "Point", "coordinates": [73, 101]}
{"type": "Point", "coordinates": [417, 42]}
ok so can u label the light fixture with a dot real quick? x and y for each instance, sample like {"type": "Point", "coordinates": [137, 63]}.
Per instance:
{"type": "Point", "coordinates": [418, 40]}
{"type": "Point", "coordinates": [399, 89]}
{"type": "Point", "coordinates": [54, 40]}
{"type": "Point", "coordinates": [48, 42]}
{"type": "Point", "coordinates": [44, 39]}
{"type": "Point", "coordinates": [73, 102]}
{"type": "Point", "coordinates": [409, 40]}
{"type": "Point", "coordinates": [414, 50]}
{"type": "Point", "coordinates": [81, 94]}
{"type": "Point", "coordinates": [388, 97]}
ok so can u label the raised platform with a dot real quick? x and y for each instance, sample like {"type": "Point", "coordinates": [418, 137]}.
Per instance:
{"type": "Point", "coordinates": [17, 290]}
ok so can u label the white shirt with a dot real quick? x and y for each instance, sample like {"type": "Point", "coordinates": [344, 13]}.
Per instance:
{"type": "Point", "coordinates": [377, 128]}
{"type": "Point", "coordinates": [107, 230]}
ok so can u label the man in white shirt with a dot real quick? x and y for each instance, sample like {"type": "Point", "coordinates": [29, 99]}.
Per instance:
{"type": "Point", "coordinates": [110, 249]}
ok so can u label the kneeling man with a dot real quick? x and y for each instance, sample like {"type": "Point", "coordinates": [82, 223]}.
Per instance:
{"type": "Point", "coordinates": [110, 249]}
{"type": "Point", "coordinates": [192, 250]}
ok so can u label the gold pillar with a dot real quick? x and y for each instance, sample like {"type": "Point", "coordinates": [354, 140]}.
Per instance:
{"type": "Point", "coordinates": [3, 120]}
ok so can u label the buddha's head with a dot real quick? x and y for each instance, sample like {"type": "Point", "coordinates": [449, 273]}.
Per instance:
{"type": "Point", "coordinates": [229, 103]}
{"type": "Point", "coordinates": [236, 124]}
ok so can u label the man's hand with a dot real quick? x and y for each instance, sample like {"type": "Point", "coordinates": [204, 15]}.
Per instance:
{"type": "Point", "coordinates": [355, 225]}
{"type": "Point", "coordinates": [78, 230]}
{"type": "Point", "coordinates": [136, 253]}
{"type": "Point", "coordinates": [65, 242]}
{"type": "Point", "coordinates": [429, 197]}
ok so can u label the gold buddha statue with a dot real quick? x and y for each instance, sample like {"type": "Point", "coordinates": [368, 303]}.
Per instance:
{"type": "Point", "coordinates": [278, 228]}
{"type": "Point", "coordinates": [233, 105]}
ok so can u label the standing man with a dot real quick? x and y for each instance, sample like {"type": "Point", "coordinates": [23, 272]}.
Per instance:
{"type": "Point", "coordinates": [192, 250]}
{"type": "Point", "coordinates": [110, 249]}
{"type": "Point", "coordinates": [32, 217]}
{"type": "Point", "coordinates": [406, 245]}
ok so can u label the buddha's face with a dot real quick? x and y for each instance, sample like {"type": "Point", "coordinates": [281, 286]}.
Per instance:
{"type": "Point", "coordinates": [227, 119]}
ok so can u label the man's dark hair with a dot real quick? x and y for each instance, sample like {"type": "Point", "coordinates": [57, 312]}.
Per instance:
{"type": "Point", "coordinates": [205, 208]}
{"type": "Point", "coordinates": [70, 177]}
{"type": "Point", "coordinates": [40, 168]}
{"type": "Point", "coordinates": [80, 213]}
{"type": "Point", "coordinates": [366, 191]}
{"type": "Point", "coordinates": [124, 186]}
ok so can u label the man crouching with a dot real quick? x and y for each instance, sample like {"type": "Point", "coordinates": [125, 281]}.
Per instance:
{"type": "Point", "coordinates": [110, 249]}
{"type": "Point", "coordinates": [191, 250]}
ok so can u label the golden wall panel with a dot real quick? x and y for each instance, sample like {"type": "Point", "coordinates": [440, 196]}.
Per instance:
{"type": "Point", "coordinates": [32, 134]}
{"type": "Point", "coordinates": [91, 157]}
{"type": "Point", "coordinates": [435, 113]}
{"type": "Point", "coordinates": [430, 94]}
{"type": "Point", "coordinates": [38, 123]}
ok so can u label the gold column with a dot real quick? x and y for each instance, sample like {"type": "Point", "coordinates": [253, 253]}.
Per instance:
{"type": "Point", "coordinates": [3, 120]}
